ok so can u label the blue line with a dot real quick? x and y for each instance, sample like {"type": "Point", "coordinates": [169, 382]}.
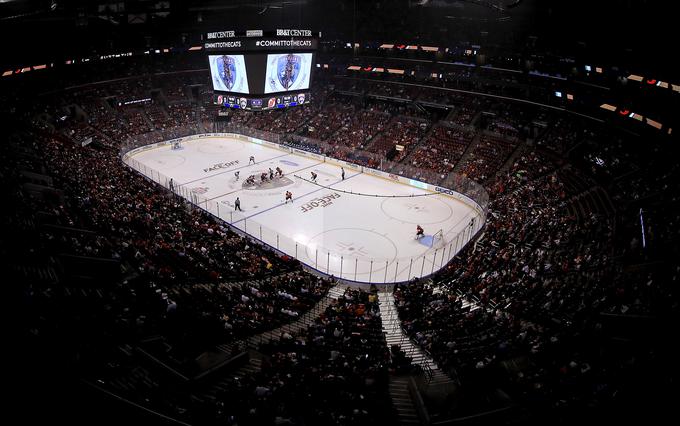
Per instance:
{"type": "Point", "coordinates": [303, 196]}
{"type": "Point", "coordinates": [231, 170]}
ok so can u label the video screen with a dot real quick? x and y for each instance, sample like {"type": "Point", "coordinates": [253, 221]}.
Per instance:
{"type": "Point", "coordinates": [287, 72]}
{"type": "Point", "coordinates": [229, 73]}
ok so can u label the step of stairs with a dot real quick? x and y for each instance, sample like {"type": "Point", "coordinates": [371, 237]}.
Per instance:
{"type": "Point", "coordinates": [402, 402]}
{"type": "Point", "coordinates": [394, 335]}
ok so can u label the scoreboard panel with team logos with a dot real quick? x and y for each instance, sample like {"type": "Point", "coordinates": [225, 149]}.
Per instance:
{"type": "Point", "coordinates": [251, 103]}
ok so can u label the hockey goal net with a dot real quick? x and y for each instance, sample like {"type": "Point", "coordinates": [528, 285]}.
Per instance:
{"type": "Point", "coordinates": [176, 145]}
{"type": "Point", "coordinates": [438, 238]}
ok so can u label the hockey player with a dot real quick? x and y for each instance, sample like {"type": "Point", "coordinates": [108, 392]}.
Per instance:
{"type": "Point", "coordinates": [237, 205]}
{"type": "Point", "coordinates": [271, 174]}
{"type": "Point", "coordinates": [279, 172]}
{"type": "Point", "coordinates": [252, 160]}
{"type": "Point", "coordinates": [420, 233]}
{"type": "Point", "coordinates": [343, 173]}
{"type": "Point", "coordinates": [314, 177]}
{"type": "Point", "coordinates": [236, 173]}
{"type": "Point", "coordinates": [289, 196]}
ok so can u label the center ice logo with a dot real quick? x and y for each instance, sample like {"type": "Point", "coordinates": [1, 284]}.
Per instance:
{"type": "Point", "coordinates": [288, 70]}
{"type": "Point", "coordinates": [257, 183]}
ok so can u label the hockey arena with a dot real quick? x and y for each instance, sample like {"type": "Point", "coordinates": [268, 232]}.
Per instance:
{"type": "Point", "coordinates": [360, 227]}
{"type": "Point", "coordinates": [341, 213]}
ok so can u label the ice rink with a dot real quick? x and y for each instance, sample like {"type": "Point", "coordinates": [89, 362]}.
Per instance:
{"type": "Point", "coordinates": [366, 237]}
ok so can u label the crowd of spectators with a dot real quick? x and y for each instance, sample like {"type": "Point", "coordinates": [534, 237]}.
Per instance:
{"type": "Point", "coordinates": [181, 113]}
{"type": "Point", "coordinates": [539, 281]}
{"type": "Point", "coordinates": [551, 260]}
{"type": "Point", "coordinates": [442, 149]}
{"type": "Point", "coordinates": [487, 157]}
{"type": "Point", "coordinates": [465, 113]}
{"type": "Point", "coordinates": [335, 371]}
{"type": "Point", "coordinates": [162, 269]}
{"type": "Point", "coordinates": [158, 117]}
{"type": "Point", "coordinates": [403, 131]}
{"type": "Point", "coordinates": [360, 128]}
{"type": "Point", "coordinates": [528, 166]}
{"type": "Point", "coordinates": [328, 120]}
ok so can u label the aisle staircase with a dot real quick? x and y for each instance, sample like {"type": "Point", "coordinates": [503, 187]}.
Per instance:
{"type": "Point", "coordinates": [394, 335]}
{"type": "Point", "coordinates": [402, 401]}
{"type": "Point", "coordinates": [225, 384]}
{"type": "Point", "coordinates": [467, 154]}
{"type": "Point", "coordinates": [415, 147]}
{"type": "Point", "coordinates": [519, 150]}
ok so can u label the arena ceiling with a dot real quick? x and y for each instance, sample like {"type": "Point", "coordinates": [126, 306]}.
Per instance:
{"type": "Point", "coordinates": [636, 28]}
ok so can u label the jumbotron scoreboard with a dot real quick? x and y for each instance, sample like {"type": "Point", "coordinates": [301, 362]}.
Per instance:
{"type": "Point", "coordinates": [259, 70]}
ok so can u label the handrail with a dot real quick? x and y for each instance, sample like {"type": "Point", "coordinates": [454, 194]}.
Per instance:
{"type": "Point", "coordinates": [135, 405]}
{"type": "Point", "coordinates": [163, 365]}
{"type": "Point", "coordinates": [224, 363]}
{"type": "Point", "coordinates": [474, 417]}
{"type": "Point", "coordinates": [418, 402]}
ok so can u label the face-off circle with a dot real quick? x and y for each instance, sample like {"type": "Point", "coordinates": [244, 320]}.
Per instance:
{"type": "Point", "coordinates": [208, 146]}
{"type": "Point", "coordinates": [348, 244]}
{"type": "Point", "coordinates": [429, 210]}
{"type": "Point", "coordinates": [169, 160]}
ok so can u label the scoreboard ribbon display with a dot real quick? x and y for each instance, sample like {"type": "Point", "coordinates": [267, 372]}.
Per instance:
{"type": "Point", "coordinates": [261, 104]}
{"type": "Point", "coordinates": [261, 44]}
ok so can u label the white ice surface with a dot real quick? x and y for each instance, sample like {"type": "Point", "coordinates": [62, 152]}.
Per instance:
{"type": "Point", "coordinates": [328, 226]}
